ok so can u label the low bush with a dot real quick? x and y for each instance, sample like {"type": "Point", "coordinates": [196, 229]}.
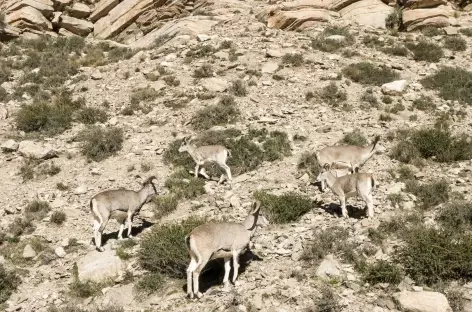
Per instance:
{"type": "Point", "coordinates": [225, 112]}
{"type": "Point", "coordinates": [382, 272]}
{"type": "Point", "coordinates": [37, 210]}
{"type": "Point", "coordinates": [354, 138]}
{"type": "Point", "coordinates": [284, 208]}
{"type": "Point", "coordinates": [456, 216]}
{"type": "Point", "coordinates": [332, 94]}
{"type": "Point", "coordinates": [58, 217]}
{"type": "Point", "coordinates": [163, 250]}
{"type": "Point", "coordinates": [455, 43]}
{"type": "Point", "coordinates": [426, 51]}
{"type": "Point", "coordinates": [100, 143]}
{"type": "Point", "coordinates": [9, 282]}
{"type": "Point", "coordinates": [91, 115]}
{"type": "Point", "coordinates": [163, 205]}
{"type": "Point", "coordinates": [328, 301]}
{"type": "Point", "coordinates": [453, 83]}
{"type": "Point", "coordinates": [432, 31]}
{"type": "Point", "coordinates": [424, 103]}
{"type": "Point", "coordinates": [21, 226]}
{"type": "Point", "coordinates": [184, 185]}
{"type": "Point", "coordinates": [324, 43]}
{"type": "Point", "coordinates": [369, 74]}
{"type": "Point", "coordinates": [466, 32]}
{"type": "Point", "coordinates": [293, 59]}
{"type": "Point", "coordinates": [328, 241]}
{"type": "Point", "coordinates": [204, 71]}
{"type": "Point", "coordinates": [239, 88]}
{"type": "Point", "coordinates": [147, 94]}
{"type": "Point", "coordinates": [150, 283]}
{"type": "Point", "coordinates": [429, 194]}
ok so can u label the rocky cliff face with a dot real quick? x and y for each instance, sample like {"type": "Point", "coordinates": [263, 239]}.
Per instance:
{"type": "Point", "coordinates": [127, 21]}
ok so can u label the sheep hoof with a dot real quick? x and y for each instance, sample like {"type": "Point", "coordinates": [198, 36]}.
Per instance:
{"type": "Point", "coordinates": [199, 295]}
{"type": "Point", "coordinates": [101, 249]}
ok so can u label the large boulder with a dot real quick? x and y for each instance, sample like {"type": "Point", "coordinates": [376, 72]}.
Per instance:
{"type": "Point", "coordinates": [103, 8]}
{"type": "Point", "coordinates": [97, 266]}
{"type": "Point", "coordinates": [420, 18]}
{"type": "Point", "coordinates": [78, 10]}
{"type": "Point", "coordinates": [36, 150]}
{"type": "Point", "coordinates": [367, 12]}
{"type": "Point", "coordinates": [76, 26]}
{"type": "Point", "coordinates": [423, 301]}
{"type": "Point", "coordinates": [43, 6]}
{"type": "Point", "coordinates": [120, 17]}
{"type": "Point", "coordinates": [28, 17]}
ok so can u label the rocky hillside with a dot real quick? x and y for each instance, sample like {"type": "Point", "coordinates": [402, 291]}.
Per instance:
{"type": "Point", "coordinates": [79, 116]}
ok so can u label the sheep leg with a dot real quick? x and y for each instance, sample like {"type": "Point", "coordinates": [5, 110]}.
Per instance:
{"type": "Point", "coordinates": [370, 206]}
{"type": "Point", "coordinates": [196, 170]}
{"type": "Point", "coordinates": [196, 274]}
{"type": "Point", "coordinates": [191, 268]}
{"type": "Point", "coordinates": [130, 223]}
{"type": "Point", "coordinates": [228, 172]}
{"type": "Point", "coordinates": [101, 228]}
{"type": "Point", "coordinates": [235, 265]}
{"type": "Point", "coordinates": [96, 227]}
{"type": "Point", "coordinates": [120, 232]}
{"type": "Point", "coordinates": [227, 269]}
{"type": "Point", "coordinates": [203, 173]}
{"type": "Point", "coordinates": [342, 201]}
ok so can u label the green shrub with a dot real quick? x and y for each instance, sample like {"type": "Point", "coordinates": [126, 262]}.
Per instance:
{"type": "Point", "coordinates": [426, 51]}
{"type": "Point", "coordinates": [354, 138]}
{"type": "Point", "coordinates": [58, 217]}
{"type": "Point", "coordinates": [293, 59]}
{"type": "Point", "coordinates": [150, 283]}
{"type": "Point", "coordinates": [455, 43]}
{"type": "Point", "coordinates": [382, 272]}
{"type": "Point", "coordinates": [285, 208]}
{"type": "Point", "coordinates": [405, 152]}
{"type": "Point", "coordinates": [394, 20]}
{"type": "Point", "coordinates": [308, 163]}
{"type": "Point", "coordinates": [276, 146]}
{"type": "Point", "coordinates": [184, 185]}
{"type": "Point", "coordinates": [431, 194]}
{"type": "Point", "coordinates": [369, 74]}
{"type": "Point", "coordinates": [91, 115]}
{"type": "Point", "coordinates": [171, 80]}
{"type": "Point", "coordinates": [147, 94]}
{"type": "Point", "coordinates": [3, 94]}
{"type": "Point", "coordinates": [163, 250]}
{"type": "Point", "coordinates": [203, 72]}
{"type": "Point", "coordinates": [466, 32]}
{"type": "Point", "coordinates": [432, 31]}
{"type": "Point", "coordinates": [327, 242]}
{"type": "Point", "coordinates": [165, 204]}
{"type": "Point", "coordinates": [328, 301]}
{"type": "Point", "coordinates": [50, 118]}
{"type": "Point", "coordinates": [453, 83]}
{"type": "Point", "coordinates": [322, 43]}
{"type": "Point", "coordinates": [430, 256]}
{"type": "Point", "coordinates": [369, 97]}
{"type": "Point", "coordinates": [100, 143]}
{"type": "Point", "coordinates": [424, 103]}
{"type": "Point", "coordinates": [332, 95]}
{"type": "Point", "coordinates": [215, 115]}
{"type": "Point", "coordinates": [456, 216]}
{"type": "Point", "coordinates": [9, 282]}
{"type": "Point", "coordinates": [397, 50]}
{"type": "Point", "coordinates": [37, 210]}
{"type": "Point", "coordinates": [238, 88]}
{"type": "Point", "coordinates": [21, 226]}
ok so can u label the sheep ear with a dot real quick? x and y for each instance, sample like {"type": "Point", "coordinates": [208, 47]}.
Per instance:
{"type": "Point", "coordinates": [326, 167]}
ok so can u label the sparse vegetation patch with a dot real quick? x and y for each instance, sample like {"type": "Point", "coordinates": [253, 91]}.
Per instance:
{"type": "Point", "coordinates": [100, 143]}
{"type": "Point", "coordinates": [333, 39]}
{"type": "Point", "coordinates": [284, 208]}
{"type": "Point", "coordinates": [426, 51]}
{"type": "Point", "coordinates": [453, 83]}
{"type": "Point", "coordinates": [369, 74]}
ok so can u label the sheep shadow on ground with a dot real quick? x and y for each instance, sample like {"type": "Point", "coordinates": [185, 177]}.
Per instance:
{"type": "Point", "coordinates": [135, 230]}
{"type": "Point", "coordinates": [213, 273]}
{"type": "Point", "coordinates": [353, 212]}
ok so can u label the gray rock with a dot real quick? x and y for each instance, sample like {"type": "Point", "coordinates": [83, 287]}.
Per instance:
{"type": "Point", "coordinates": [203, 37]}
{"type": "Point", "coordinates": [79, 10]}
{"type": "Point", "coordinates": [36, 150]}
{"type": "Point", "coordinates": [96, 75]}
{"type": "Point", "coordinates": [269, 68]}
{"type": "Point", "coordinates": [329, 267]}
{"type": "Point", "coordinates": [215, 84]}
{"type": "Point", "coordinates": [29, 252]}
{"type": "Point", "coordinates": [10, 146]}
{"type": "Point", "coordinates": [273, 53]}
{"type": "Point", "coordinates": [60, 252]}
{"type": "Point", "coordinates": [337, 38]}
{"type": "Point", "coordinates": [81, 189]}
{"type": "Point", "coordinates": [395, 87]}
{"type": "Point", "coordinates": [97, 265]}
{"type": "Point", "coordinates": [425, 301]}
{"type": "Point", "coordinates": [235, 202]}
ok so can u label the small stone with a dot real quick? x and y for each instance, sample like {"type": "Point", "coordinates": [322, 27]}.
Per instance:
{"type": "Point", "coordinates": [10, 146]}
{"type": "Point", "coordinates": [257, 302]}
{"type": "Point", "coordinates": [96, 75]}
{"type": "Point", "coordinates": [337, 38]}
{"type": "Point", "coordinates": [60, 252]}
{"type": "Point", "coordinates": [269, 68]}
{"type": "Point", "coordinates": [65, 242]}
{"type": "Point", "coordinates": [417, 288]}
{"type": "Point", "coordinates": [81, 189]}
{"type": "Point", "coordinates": [203, 37]}
{"type": "Point", "coordinates": [394, 88]}
{"type": "Point", "coordinates": [29, 252]}
{"type": "Point", "coordinates": [234, 201]}
{"type": "Point", "coordinates": [329, 267]}
{"type": "Point", "coordinates": [273, 53]}
{"type": "Point", "coordinates": [451, 31]}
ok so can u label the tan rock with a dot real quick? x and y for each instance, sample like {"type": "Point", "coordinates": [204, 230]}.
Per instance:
{"type": "Point", "coordinates": [8, 33]}
{"type": "Point", "coordinates": [424, 301]}
{"type": "Point", "coordinates": [43, 6]}
{"type": "Point", "coordinates": [76, 26]}
{"type": "Point", "coordinates": [191, 25]}
{"type": "Point", "coordinates": [297, 19]}
{"type": "Point", "coordinates": [123, 15]}
{"type": "Point", "coordinates": [420, 18]}
{"type": "Point", "coordinates": [28, 17]}
{"type": "Point", "coordinates": [418, 4]}
{"type": "Point", "coordinates": [79, 10]}
{"type": "Point", "coordinates": [103, 8]}
{"type": "Point", "coordinates": [367, 12]}
{"type": "Point", "coordinates": [337, 5]}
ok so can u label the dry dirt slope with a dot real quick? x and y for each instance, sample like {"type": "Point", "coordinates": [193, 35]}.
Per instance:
{"type": "Point", "coordinates": [281, 281]}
